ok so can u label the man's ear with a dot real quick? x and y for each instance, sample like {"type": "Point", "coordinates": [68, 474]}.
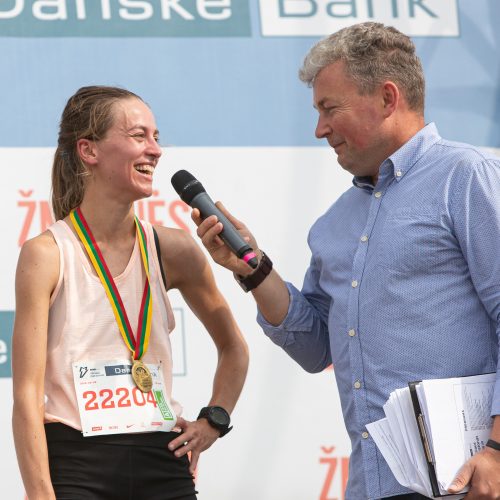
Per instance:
{"type": "Point", "coordinates": [391, 96]}
{"type": "Point", "coordinates": [87, 151]}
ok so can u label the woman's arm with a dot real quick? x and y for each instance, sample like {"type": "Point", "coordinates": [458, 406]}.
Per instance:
{"type": "Point", "coordinates": [188, 270]}
{"type": "Point", "coordinates": [36, 277]}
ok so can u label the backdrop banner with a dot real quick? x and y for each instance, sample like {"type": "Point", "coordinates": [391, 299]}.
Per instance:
{"type": "Point", "coordinates": [221, 78]}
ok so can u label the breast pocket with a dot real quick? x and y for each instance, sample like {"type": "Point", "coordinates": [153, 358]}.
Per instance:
{"type": "Point", "coordinates": [410, 241]}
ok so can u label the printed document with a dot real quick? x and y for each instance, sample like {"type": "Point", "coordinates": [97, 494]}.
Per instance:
{"type": "Point", "coordinates": [455, 423]}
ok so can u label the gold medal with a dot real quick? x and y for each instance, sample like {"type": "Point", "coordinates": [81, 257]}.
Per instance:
{"type": "Point", "coordinates": [142, 376]}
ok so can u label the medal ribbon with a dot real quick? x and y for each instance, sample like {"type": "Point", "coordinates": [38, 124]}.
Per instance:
{"type": "Point", "coordinates": [138, 346]}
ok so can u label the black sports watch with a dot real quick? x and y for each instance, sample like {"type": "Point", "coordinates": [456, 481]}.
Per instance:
{"type": "Point", "coordinates": [217, 417]}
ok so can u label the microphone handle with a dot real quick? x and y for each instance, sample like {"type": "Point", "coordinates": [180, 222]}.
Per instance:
{"type": "Point", "coordinates": [229, 233]}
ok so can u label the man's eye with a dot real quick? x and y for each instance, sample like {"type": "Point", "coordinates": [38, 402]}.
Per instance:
{"type": "Point", "coordinates": [326, 110]}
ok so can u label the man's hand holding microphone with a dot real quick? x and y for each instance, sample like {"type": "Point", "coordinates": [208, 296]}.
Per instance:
{"type": "Point", "coordinates": [232, 245]}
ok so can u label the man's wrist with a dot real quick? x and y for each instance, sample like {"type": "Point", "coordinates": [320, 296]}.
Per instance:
{"type": "Point", "coordinates": [259, 253]}
{"type": "Point", "coordinates": [254, 279]}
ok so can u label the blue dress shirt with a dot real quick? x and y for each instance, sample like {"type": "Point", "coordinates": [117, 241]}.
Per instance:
{"type": "Point", "coordinates": [403, 284]}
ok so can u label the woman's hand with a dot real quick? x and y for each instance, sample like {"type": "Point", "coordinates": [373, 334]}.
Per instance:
{"type": "Point", "coordinates": [195, 437]}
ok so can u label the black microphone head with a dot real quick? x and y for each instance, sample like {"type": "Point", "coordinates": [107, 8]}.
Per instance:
{"type": "Point", "coordinates": [186, 185]}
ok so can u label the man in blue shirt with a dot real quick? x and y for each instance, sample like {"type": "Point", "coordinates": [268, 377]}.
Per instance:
{"type": "Point", "coordinates": [404, 279]}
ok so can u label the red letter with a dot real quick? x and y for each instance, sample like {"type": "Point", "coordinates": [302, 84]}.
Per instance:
{"type": "Point", "coordinates": [29, 216]}
{"type": "Point", "coordinates": [172, 211]}
{"type": "Point", "coordinates": [45, 215]}
{"type": "Point", "coordinates": [151, 211]}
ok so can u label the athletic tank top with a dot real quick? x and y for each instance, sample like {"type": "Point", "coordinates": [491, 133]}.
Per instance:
{"type": "Point", "coordinates": [82, 325]}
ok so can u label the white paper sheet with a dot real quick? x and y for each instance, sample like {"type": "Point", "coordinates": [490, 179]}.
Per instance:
{"type": "Point", "coordinates": [458, 424]}
{"type": "Point", "coordinates": [458, 412]}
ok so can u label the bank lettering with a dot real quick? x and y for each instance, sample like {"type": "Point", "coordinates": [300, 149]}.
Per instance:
{"type": "Point", "coordinates": [108, 18]}
{"type": "Point", "coordinates": [322, 17]}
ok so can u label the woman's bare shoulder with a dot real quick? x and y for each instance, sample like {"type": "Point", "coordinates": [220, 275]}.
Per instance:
{"type": "Point", "coordinates": [43, 245]}
{"type": "Point", "coordinates": [182, 257]}
{"type": "Point", "coordinates": [175, 242]}
{"type": "Point", "coordinates": [39, 259]}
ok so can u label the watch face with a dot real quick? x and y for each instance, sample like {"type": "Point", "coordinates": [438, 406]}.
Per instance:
{"type": "Point", "coordinates": [219, 416]}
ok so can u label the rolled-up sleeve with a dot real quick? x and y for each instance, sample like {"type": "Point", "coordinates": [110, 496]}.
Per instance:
{"type": "Point", "coordinates": [303, 333]}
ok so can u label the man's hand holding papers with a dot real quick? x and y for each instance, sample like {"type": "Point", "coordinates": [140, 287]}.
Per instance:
{"type": "Point", "coordinates": [433, 428]}
{"type": "Point", "coordinates": [482, 472]}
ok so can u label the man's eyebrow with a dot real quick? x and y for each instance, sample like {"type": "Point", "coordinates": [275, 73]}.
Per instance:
{"type": "Point", "coordinates": [320, 104]}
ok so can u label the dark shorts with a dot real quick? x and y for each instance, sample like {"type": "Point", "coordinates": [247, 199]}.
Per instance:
{"type": "Point", "coordinates": [116, 467]}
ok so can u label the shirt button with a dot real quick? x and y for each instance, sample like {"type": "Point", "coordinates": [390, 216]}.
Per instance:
{"type": "Point", "coordinates": [364, 435]}
{"type": "Point", "coordinates": [352, 333]}
{"type": "Point", "coordinates": [357, 384]}
{"type": "Point", "coordinates": [354, 283]}
{"type": "Point", "coordinates": [378, 194]}
{"type": "Point", "coordinates": [364, 238]}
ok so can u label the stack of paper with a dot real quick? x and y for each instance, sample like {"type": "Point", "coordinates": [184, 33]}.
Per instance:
{"type": "Point", "coordinates": [432, 428]}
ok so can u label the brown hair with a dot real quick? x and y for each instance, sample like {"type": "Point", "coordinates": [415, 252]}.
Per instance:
{"type": "Point", "coordinates": [371, 53]}
{"type": "Point", "coordinates": [88, 115]}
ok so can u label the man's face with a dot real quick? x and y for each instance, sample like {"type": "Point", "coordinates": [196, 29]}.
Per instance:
{"type": "Point", "coordinates": [353, 124]}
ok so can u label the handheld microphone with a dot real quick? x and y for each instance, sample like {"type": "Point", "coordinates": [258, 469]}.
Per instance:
{"type": "Point", "coordinates": [193, 193]}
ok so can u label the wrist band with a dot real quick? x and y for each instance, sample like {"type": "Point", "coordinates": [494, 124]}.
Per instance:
{"type": "Point", "coordinates": [493, 444]}
{"type": "Point", "coordinates": [258, 276]}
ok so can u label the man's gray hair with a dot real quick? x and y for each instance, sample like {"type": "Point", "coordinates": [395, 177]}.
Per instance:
{"type": "Point", "coordinates": [372, 53]}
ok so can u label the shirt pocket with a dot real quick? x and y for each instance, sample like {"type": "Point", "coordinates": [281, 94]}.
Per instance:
{"type": "Point", "coordinates": [410, 241]}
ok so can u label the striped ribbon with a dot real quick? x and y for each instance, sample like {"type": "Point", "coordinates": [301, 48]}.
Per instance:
{"type": "Point", "coordinates": [138, 346]}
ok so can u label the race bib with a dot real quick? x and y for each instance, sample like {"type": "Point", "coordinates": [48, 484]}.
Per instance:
{"type": "Point", "coordinates": [110, 403]}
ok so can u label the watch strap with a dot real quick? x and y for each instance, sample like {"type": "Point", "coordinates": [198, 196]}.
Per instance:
{"type": "Point", "coordinates": [253, 280]}
{"type": "Point", "coordinates": [206, 414]}
{"type": "Point", "coordinates": [493, 444]}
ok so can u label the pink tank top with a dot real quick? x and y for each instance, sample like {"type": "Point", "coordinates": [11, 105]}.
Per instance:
{"type": "Point", "coordinates": [82, 325]}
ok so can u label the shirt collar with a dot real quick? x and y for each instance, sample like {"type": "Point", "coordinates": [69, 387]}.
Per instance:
{"type": "Point", "coordinates": [365, 183]}
{"type": "Point", "coordinates": [402, 160]}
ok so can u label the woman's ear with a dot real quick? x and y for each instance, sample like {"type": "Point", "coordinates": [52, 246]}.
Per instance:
{"type": "Point", "coordinates": [87, 151]}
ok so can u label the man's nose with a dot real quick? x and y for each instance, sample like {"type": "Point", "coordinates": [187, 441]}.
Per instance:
{"type": "Point", "coordinates": [322, 128]}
